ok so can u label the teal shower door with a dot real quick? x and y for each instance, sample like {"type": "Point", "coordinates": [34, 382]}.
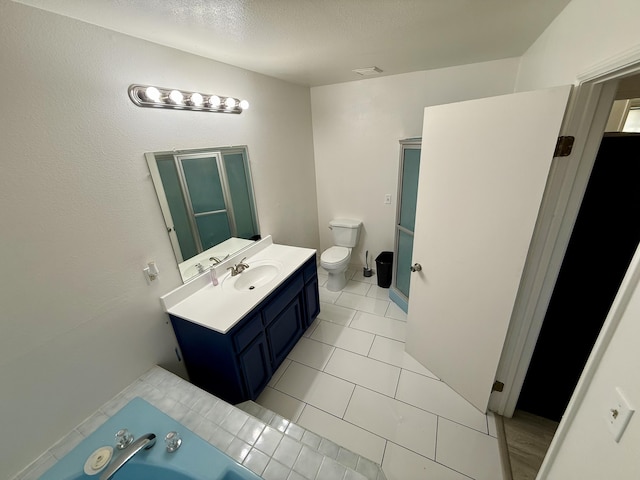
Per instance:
{"type": "Point", "coordinates": [207, 198]}
{"type": "Point", "coordinates": [405, 221]}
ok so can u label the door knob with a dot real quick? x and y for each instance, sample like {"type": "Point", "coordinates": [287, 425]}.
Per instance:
{"type": "Point", "coordinates": [416, 267]}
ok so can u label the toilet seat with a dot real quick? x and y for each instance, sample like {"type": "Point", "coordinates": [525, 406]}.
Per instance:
{"type": "Point", "coordinates": [334, 256]}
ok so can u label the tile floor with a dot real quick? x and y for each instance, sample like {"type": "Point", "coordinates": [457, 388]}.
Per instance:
{"type": "Point", "coordinates": [349, 380]}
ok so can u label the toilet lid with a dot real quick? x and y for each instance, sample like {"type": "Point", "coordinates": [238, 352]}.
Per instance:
{"type": "Point", "coordinates": [334, 255]}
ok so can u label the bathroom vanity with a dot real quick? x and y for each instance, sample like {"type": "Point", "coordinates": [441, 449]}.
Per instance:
{"type": "Point", "coordinates": [233, 336]}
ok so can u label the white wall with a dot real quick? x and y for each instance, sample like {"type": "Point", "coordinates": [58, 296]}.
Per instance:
{"type": "Point", "coordinates": [80, 218]}
{"type": "Point", "coordinates": [586, 33]}
{"type": "Point", "coordinates": [356, 129]}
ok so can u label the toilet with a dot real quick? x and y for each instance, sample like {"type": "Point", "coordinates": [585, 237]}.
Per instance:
{"type": "Point", "coordinates": [335, 260]}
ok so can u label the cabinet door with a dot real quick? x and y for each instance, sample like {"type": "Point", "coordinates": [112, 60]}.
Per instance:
{"type": "Point", "coordinates": [256, 366]}
{"type": "Point", "coordinates": [284, 330]}
{"type": "Point", "coordinates": [312, 301]}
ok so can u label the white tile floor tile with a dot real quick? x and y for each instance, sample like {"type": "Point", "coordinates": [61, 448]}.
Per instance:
{"type": "Point", "coordinates": [316, 388]}
{"type": "Point", "coordinates": [328, 296]}
{"type": "Point", "coordinates": [343, 433]}
{"type": "Point", "coordinates": [370, 373]}
{"type": "Point", "coordinates": [322, 277]}
{"type": "Point", "coordinates": [338, 383]}
{"type": "Point", "coordinates": [365, 304]}
{"type": "Point", "coordinates": [281, 403]}
{"type": "Point", "coordinates": [311, 353]}
{"type": "Point", "coordinates": [278, 373]}
{"type": "Point", "coordinates": [378, 292]}
{"type": "Point", "coordinates": [336, 314]}
{"type": "Point", "coordinates": [359, 277]}
{"type": "Point", "coordinates": [343, 337]}
{"type": "Point", "coordinates": [402, 464]}
{"type": "Point", "coordinates": [392, 351]}
{"type": "Point", "coordinates": [353, 271]}
{"type": "Point", "coordinates": [359, 288]}
{"type": "Point", "coordinates": [394, 311]}
{"type": "Point", "coordinates": [467, 451]}
{"type": "Point", "coordinates": [311, 328]}
{"type": "Point", "coordinates": [383, 326]}
{"type": "Point", "coordinates": [436, 397]}
{"type": "Point", "coordinates": [396, 421]}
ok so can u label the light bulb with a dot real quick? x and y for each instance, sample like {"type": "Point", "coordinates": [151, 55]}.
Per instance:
{"type": "Point", "coordinates": [176, 97]}
{"type": "Point", "coordinates": [230, 103]}
{"type": "Point", "coordinates": [196, 99]}
{"type": "Point", "coordinates": [214, 101]}
{"type": "Point", "coordinates": [244, 104]}
{"type": "Point", "coordinates": [152, 94]}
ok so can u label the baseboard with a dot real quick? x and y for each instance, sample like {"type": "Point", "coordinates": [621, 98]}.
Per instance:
{"type": "Point", "coordinates": [503, 449]}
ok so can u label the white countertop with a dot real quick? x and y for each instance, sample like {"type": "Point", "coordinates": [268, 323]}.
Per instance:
{"type": "Point", "coordinates": [220, 308]}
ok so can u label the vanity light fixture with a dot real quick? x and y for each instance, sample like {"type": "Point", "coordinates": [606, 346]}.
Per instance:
{"type": "Point", "coordinates": [157, 97]}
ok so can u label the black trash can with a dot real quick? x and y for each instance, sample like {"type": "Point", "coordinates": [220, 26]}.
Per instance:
{"type": "Point", "coordinates": [384, 262]}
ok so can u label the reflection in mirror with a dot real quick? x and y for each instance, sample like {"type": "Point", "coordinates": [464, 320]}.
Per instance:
{"type": "Point", "coordinates": [207, 201]}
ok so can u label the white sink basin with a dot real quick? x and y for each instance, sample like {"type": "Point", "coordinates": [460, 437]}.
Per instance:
{"type": "Point", "coordinates": [256, 276]}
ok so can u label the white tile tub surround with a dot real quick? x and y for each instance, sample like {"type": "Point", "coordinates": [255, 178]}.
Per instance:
{"type": "Point", "coordinates": [260, 446]}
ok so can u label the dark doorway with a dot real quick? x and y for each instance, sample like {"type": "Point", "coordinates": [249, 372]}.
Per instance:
{"type": "Point", "coordinates": [603, 241]}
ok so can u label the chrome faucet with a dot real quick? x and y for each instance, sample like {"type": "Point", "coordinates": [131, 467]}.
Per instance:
{"type": "Point", "coordinates": [217, 260]}
{"type": "Point", "coordinates": [145, 442]}
{"type": "Point", "coordinates": [238, 268]}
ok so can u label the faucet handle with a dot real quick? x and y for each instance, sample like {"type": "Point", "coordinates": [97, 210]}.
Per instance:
{"type": "Point", "coordinates": [124, 438]}
{"type": "Point", "coordinates": [173, 441]}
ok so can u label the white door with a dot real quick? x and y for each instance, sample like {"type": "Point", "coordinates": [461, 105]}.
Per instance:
{"type": "Point", "coordinates": [483, 171]}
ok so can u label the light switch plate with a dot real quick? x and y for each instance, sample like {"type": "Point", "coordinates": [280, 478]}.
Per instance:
{"type": "Point", "coordinates": [619, 412]}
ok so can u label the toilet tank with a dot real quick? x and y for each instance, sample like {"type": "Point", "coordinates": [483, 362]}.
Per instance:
{"type": "Point", "coordinates": [345, 231]}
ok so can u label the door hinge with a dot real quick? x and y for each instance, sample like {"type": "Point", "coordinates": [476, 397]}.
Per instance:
{"type": "Point", "coordinates": [497, 386]}
{"type": "Point", "coordinates": [564, 146]}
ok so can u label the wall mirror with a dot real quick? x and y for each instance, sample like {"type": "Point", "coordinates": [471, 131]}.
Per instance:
{"type": "Point", "coordinates": [207, 200]}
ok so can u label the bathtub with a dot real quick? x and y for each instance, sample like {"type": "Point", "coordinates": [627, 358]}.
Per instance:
{"type": "Point", "coordinates": [196, 459]}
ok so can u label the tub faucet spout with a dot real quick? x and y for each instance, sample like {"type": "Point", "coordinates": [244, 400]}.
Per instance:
{"type": "Point", "coordinates": [145, 442]}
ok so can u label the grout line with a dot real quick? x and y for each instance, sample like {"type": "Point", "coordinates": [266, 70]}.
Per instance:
{"type": "Point", "coordinates": [329, 359]}
{"type": "Point", "coordinates": [350, 398]}
{"type": "Point", "coordinates": [395, 391]}
{"type": "Point", "coordinates": [369, 351]}
{"type": "Point", "coordinates": [387, 309]}
{"type": "Point", "coordinates": [435, 443]}
{"type": "Point", "coordinates": [384, 452]}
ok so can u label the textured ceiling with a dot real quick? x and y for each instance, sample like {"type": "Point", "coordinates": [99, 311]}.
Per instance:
{"type": "Point", "coordinates": [319, 42]}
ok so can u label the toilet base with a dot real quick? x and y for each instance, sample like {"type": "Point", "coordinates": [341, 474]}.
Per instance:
{"type": "Point", "coordinates": [337, 281]}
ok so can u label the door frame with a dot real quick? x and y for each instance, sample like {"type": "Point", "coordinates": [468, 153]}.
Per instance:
{"type": "Point", "coordinates": [587, 113]}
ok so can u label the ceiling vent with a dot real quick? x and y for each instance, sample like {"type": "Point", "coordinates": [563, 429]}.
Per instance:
{"type": "Point", "coordinates": [367, 71]}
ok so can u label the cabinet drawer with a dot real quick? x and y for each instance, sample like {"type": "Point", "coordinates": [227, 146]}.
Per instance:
{"type": "Point", "coordinates": [245, 335]}
{"type": "Point", "coordinates": [283, 297]}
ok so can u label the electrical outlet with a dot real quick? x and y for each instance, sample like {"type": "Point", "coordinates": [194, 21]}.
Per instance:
{"type": "Point", "coordinates": [618, 414]}
{"type": "Point", "coordinates": [387, 199]}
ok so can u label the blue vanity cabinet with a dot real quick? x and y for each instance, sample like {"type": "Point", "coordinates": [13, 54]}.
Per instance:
{"type": "Point", "coordinates": [236, 366]}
